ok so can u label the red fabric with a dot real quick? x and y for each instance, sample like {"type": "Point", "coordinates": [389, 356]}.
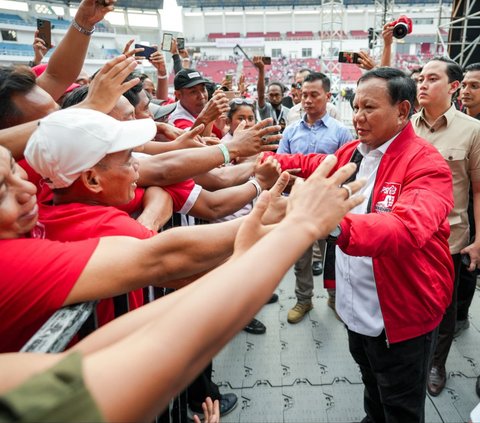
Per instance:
{"type": "Point", "coordinates": [180, 193]}
{"type": "Point", "coordinates": [408, 243]}
{"type": "Point", "coordinates": [136, 204]}
{"type": "Point", "coordinates": [187, 124]}
{"type": "Point", "coordinates": [39, 69]}
{"type": "Point", "coordinates": [36, 277]}
{"type": "Point", "coordinates": [76, 221]}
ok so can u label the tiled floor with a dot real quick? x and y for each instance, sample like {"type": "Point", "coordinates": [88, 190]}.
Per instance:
{"type": "Point", "coordinates": [304, 372]}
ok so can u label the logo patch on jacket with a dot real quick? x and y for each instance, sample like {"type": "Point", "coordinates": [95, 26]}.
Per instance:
{"type": "Point", "coordinates": [387, 197]}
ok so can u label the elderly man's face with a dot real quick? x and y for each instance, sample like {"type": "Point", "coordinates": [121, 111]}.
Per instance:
{"type": "Point", "coordinates": [118, 174]}
{"type": "Point", "coordinates": [375, 119]}
{"type": "Point", "coordinates": [193, 99]}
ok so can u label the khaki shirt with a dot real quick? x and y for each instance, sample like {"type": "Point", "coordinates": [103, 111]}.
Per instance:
{"type": "Point", "coordinates": [457, 138]}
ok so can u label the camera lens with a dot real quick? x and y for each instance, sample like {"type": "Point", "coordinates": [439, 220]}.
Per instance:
{"type": "Point", "coordinates": [400, 30]}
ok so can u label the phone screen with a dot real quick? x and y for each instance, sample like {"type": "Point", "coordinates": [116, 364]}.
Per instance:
{"type": "Point", "coordinates": [45, 31]}
{"type": "Point", "coordinates": [167, 42]}
{"type": "Point", "coordinates": [348, 57]}
{"type": "Point", "coordinates": [181, 43]}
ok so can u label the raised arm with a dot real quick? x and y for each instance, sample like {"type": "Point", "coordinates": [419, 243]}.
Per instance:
{"type": "Point", "coordinates": [67, 60]}
{"type": "Point", "coordinates": [257, 61]}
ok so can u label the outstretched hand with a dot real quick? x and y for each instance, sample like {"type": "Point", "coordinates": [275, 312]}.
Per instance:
{"type": "Point", "coordinates": [108, 84]}
{"type": "Point", "coordinates": [320, 201]}
{"type": "Point", "coordinates": [211, 412]}
{"type": "Point", "coordinates": [258, 138]}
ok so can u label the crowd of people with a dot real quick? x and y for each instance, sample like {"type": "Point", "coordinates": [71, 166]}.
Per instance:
{"type": "Point", "coordinates": [92, 168]}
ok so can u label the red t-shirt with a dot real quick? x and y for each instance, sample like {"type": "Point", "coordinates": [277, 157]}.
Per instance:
{"type": "Point", "coordinates": [184, 194]}
{"type": "Point", "coordinates": [187, 124]}
{"type": "Point", "coordinates": [77, 221]}
{"type": "Point", "coordinates": [36, 277]}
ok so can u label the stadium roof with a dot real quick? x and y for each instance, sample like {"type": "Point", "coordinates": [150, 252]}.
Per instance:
{"type": "Point", "coordinates": [130, 4]}
{"type": "Point", "coordinates": [290, 3]}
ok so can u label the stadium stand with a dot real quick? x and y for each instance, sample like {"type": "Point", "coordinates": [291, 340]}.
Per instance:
{"type": "Point", "coordinates": [12, 19]}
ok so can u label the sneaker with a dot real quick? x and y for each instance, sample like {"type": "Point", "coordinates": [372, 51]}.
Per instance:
{"type": "Point", "coordinates": [297, 313]}
{"type": "Point", "coordinates": [228, 402]}
{"type": "Point", "coordinates": [460, 326]}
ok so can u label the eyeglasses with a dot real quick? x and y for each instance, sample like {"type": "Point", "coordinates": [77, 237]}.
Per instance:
{"type": "Point", "coordinates": [239, 101]}
{"type": "Point", "coordinates": [297, 85]}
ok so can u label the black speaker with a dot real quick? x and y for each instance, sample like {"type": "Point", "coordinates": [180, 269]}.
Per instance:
{"type": "Point", "coordinates": [463, 37]}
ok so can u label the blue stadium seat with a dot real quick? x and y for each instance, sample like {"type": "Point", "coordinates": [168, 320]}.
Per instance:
{"type": "Point", "coordinates": [12, 19]}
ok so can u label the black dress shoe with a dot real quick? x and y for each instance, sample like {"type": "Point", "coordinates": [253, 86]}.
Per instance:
{"type": "Point", "coordinates": [273, 299]}
{"type": "Point", "coordinates": [317, 268]}
{"type": "Point", "coordinates": [477, 386]}
{"type": "Point", "coordinates": [437, 379]}
{"type": "Point", "coordinates": [255, 327]}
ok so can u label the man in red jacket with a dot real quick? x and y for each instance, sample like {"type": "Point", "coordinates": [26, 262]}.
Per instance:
{"type": "Point", "coordinates": [394, 273]}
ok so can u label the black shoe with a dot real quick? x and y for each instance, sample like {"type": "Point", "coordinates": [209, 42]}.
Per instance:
{"type": "Point", "coordinates": [227, 403]}
{"type": "Point", "coordinates": [477, 386]}
{"type": "Point", "coordinates": [317, 268]}
{"type": "Point", "coordinates": [273, 299]}
{"type": "Point", "coordinates": [436, 381]}
{"type": "Point", "coordinates": [255, 327]}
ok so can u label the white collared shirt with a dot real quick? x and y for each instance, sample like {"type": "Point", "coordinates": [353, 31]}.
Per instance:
{"type": "Point", "coordinates": [357, 299]}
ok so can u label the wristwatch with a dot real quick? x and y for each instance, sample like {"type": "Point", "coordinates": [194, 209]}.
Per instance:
{"type": "Point", "coordinates": [332, 236]}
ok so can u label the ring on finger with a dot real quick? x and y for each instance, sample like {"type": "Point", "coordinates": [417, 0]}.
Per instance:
{"type": "Point", "coordinates": [348, 189]}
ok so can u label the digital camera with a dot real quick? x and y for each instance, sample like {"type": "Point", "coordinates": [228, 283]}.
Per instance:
{"type": "Point", "coordinates": [402, 26]}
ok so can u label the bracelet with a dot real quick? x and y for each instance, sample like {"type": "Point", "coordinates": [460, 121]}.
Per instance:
{"type": "Point", "coordinates": [256, 185]}
{"type": "Point", "coordinates": [81, 29]}
{"type": "Point", "coordinates": [226, 154]}
{"type": "Point", "coordinates": [162, 77]}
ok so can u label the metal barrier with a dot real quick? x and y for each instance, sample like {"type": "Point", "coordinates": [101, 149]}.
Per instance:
{"type": "Point", "coordinates": [59, 330]}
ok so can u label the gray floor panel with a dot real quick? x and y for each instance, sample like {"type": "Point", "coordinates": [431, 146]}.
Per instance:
{"type": "Point", "coordinates": [304, 372]}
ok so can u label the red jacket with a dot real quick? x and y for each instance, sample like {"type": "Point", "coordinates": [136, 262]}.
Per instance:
{"type": "Point", "coordinates": [405, 232]}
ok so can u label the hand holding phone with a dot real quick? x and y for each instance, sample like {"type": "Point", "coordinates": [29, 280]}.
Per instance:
{"type": "Point", "coordinates": [348, 57]}
{"type": "Point", "coordinates": [266, 60]}
{"type": "Point", "coordinates": [45, 31]}
{"type": "Point", "coordinates": [147, 51]}
{"type": "Point", "coordinates": [180, 43]}
{"type": "Point", "coordinates": [167, 41]}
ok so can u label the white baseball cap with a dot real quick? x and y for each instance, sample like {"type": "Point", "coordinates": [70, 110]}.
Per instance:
{"type": "Point", "coordinates": [70, 141]}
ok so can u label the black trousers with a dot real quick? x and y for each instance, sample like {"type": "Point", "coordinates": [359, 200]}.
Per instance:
{"type": "Point", "coordinates": [447, 325]}
{"type": "Point", "coordinates": [395, 376]}
{"type": "Point", "coordinates": [201, 388]}
{"type": "Point", "coordinates": [466, 290]}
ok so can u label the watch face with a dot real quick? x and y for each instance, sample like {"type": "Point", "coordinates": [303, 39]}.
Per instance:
{"type": "Point", "coordinates": [336, 232]}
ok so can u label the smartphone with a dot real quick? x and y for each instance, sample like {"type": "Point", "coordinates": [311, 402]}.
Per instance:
{"type": "Point", "coordinates": [348, 57]}
{"type": "Point", "coordinates": [45, 31]}
{"type": "Point", "coordinates": [167, 41]}
{"type": "Point", "coordinates": [229, 77]}
{"type": "Point", "coordinates": [232, 94]}
{"type": "Point", "coordinates": [267, 60]}
{"type": "Point", "coordinates": [181, 43]}
{"type": "Point", "coordinates": [147, 51]}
